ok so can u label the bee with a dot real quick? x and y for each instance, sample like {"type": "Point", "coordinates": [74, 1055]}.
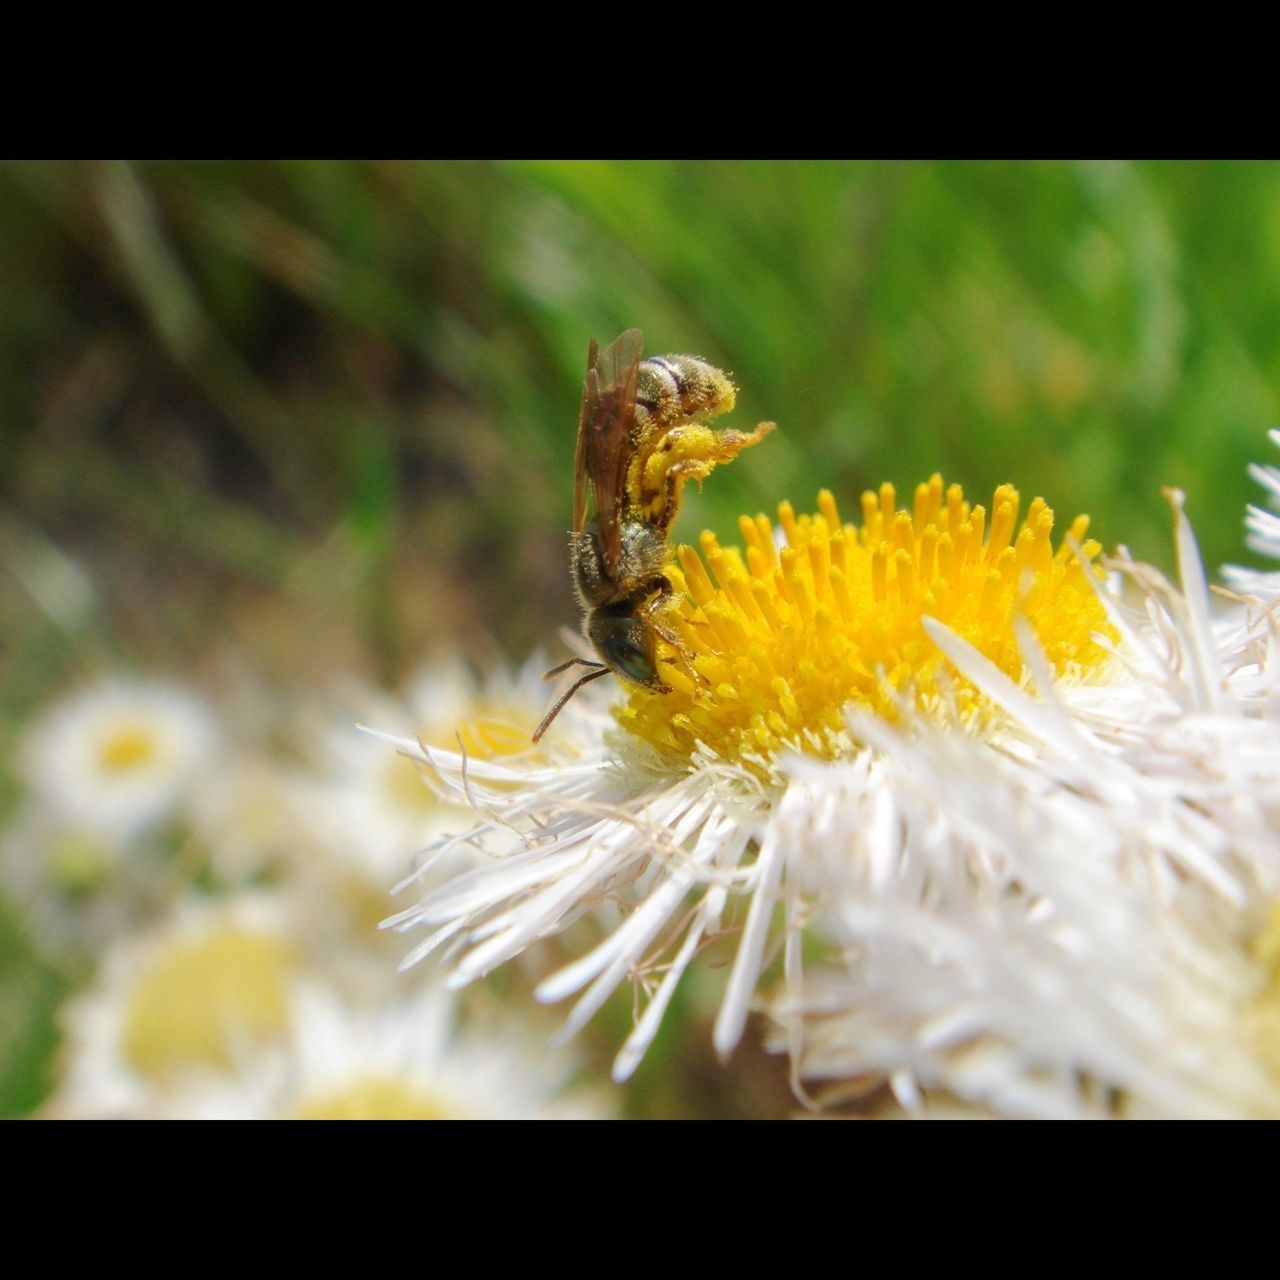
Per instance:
{"type": "Point", "coordinates": [642, 434]}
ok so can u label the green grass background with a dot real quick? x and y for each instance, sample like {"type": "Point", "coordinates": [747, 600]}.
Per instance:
{"type": "Point", "coordinates": [323, 413]}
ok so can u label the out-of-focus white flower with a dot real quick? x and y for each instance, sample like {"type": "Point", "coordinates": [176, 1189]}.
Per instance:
{"type": "Point", "coordinates": [119, 757]}
{"type": "Point", "coordinates": [404, 1061]}
{"type": "Point", "coordinates": [181, 1003]}
{"type": "Point", "coordinates": [369, 807]}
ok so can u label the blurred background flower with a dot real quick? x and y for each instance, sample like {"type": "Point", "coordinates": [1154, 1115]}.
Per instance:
{"type": "Point", "coordinates": [289, 446]}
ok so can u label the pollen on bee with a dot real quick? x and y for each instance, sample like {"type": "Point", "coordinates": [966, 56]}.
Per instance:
{"type": "Point", "coordinates": [642, 435]}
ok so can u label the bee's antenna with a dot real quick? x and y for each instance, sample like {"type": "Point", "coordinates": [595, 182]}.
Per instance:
{"type": "Point", "coordinates": [564, 666]}
{"type": "Point", "coordinates": [577, 684]}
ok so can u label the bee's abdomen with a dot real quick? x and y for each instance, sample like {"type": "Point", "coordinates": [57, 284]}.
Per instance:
{"type": "Point", "coordinates": [680, 388]}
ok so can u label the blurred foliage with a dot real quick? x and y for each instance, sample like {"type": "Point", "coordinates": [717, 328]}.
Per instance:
{"type": "Point", "coordinates": [323, 413]}
{"type": "Point", "coordinates": [30, 992]}
{"type": "Point", "coordinates": [347, 392]}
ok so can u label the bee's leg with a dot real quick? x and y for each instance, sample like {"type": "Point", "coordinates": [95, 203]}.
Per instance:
{"type": "Point", "coordinates": [689, 452]}
{"type": "Point", "coordinates": [686, 657]}
{"type": "Point", "coordinates": [573, 688]}
{"type": "Point", "coordinates": [673, 480]}
{"type": "Point", "coordinates": [659, 601]}
{"type": "Point", "coordinates": [573, 662]}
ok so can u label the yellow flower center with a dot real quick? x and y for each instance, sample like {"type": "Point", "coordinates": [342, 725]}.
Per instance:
{"type": "Point", "coordinates": [204, 998]}
{"type": "Point", "coordinates": [777, 643]}
{"type": "Point", "coordinates": [490, 737]}
{"type": "Point", "coordinates": [126, 748]}
{"type": "Point", "coordinates": [372, 1098]}
{"type": "Point", "coordinates": [490, 734]}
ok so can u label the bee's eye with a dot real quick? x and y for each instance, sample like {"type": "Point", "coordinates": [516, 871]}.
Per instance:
{"type": "Point", "coordinates": [630, 659]}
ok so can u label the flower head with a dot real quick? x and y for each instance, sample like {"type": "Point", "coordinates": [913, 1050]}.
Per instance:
{"type": "Point", "coordinates": [366, 808]}
{"type": "Point", "coordinates": [682, 817]}
{"type": "Point", "coordinates": [1026, 817]}
{"type": "Point", "coordinates": [183, 1001]}
{"type": "Point", "coordinates": [121, 756]}
{"type": "Point", "coordinates": [403, 1060]}
{"type": "Point", "coordinates": [74, 882]}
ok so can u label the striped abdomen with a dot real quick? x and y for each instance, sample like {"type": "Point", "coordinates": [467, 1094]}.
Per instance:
{"type": "Point", "coordinates": [674, 389]}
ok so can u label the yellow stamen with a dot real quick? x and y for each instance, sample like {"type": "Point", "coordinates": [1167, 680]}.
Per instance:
{"type": "Point", "coordinates": [493, 731]}
{"type": "Point", "coordinates": [778, 642]}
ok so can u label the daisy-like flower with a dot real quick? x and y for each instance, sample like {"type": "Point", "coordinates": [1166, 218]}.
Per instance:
{"type": "Point", "coordinates": [1073, 915]}
{"type": "Point", "coordinates": [120, 757]}
{"type": "Point", "coordinates": [367, 806]}
{"type": "Point", "coordinates": [686, 812]}
{"type": "Point", "coordinates": [1068, 921]}
{"type": "Point", "coordinates": [402, 1061]}
{"type": "Point", "coordinates": [182, 1002]}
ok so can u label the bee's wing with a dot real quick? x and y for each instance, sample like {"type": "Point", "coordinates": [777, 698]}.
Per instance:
{"type": "Point", "coordinates": [580, 458]}
{"type": "Point", "coordinates": [604, 438]}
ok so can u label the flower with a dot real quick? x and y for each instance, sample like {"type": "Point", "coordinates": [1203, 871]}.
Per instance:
{"type": "Point", "coordinates": [687, 806]}
{"type": "Point", "coordinates": [1078, 916]}
{"type": "Point", "coordinates": [403, 1060]}
{"type": "Point", "coordinates": [183, 1001]}
{"type": "Point", "coordinates": [120, 757]}
{"type": "Point", "coordinates": [366, 807]}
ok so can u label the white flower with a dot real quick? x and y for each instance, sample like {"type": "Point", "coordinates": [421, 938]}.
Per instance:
{"type": "Point", "coordinates": [680, 821]}
{"type": "Point", "coordinates": [120, 757]}
{"type": "Point", "coordinates": [1058, 922]}
{"type": "Point", "coordinates": [367, 806]}
{"type": "Point", "coordinates": [1035, 825]}
{"type": "Point", "coordinates": [182, 1002]}
{"type": "Point", "coordinates": [1264, 526]}
{"type": "Point", "coordinates": [403, 1060]}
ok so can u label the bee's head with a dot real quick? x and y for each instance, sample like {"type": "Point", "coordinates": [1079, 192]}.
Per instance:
{"type": "Point", "coordinates": [628, 646]}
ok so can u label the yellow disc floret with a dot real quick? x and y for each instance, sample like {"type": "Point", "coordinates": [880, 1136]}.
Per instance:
{"type": "Point", "coordinates": [778, 642]}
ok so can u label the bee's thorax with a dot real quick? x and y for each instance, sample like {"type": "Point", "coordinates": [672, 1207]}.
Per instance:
{"type": "Point", "coordinates": [643, 557]}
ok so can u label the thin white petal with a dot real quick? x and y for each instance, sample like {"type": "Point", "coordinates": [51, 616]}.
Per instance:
{"type": "Point", "coordinates": [732, 1018]}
